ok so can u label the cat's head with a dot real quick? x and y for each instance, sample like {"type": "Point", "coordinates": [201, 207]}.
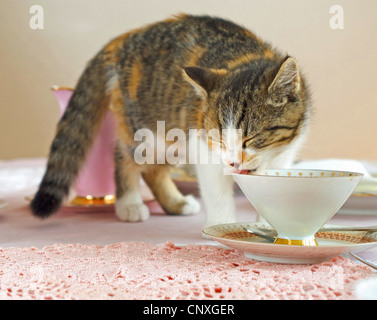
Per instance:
{"type": "Point", "coordinates": [263, 107]}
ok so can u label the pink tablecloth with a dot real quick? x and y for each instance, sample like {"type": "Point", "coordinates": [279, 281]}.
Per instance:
{"type": "Point", "coordinates": [20, 178]}
{"type": "Point", "coordinates": [18, 228]}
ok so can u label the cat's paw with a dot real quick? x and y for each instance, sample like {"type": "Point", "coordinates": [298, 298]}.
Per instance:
{"type": "Point", "coordinates": [132, 213]}
{"type": "Point", "coordinates": [187, 206]}
{"type": "Point", "coordinates": [191, 205]}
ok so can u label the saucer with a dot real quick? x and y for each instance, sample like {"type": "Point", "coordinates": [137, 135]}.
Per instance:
{"type": "Point", "coordinates": [330, 244]}
{"type": "Point", "coordinates": [78, 206]}
{"type": "Point", "coordinates": [183, 177]}
{"type": "Point", "coordinates": [94, 204]}
{"type": "Point", "coordinates": [83, 205]}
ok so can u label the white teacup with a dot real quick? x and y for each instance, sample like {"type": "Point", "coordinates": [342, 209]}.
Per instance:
{"type": "Point", "coordinates": [298, 202]}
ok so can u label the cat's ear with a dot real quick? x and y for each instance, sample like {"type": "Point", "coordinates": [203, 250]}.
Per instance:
{"type": "Point", "coordinates": [203, 80]}
{"type": "Point", "coordinates": [287, 80]}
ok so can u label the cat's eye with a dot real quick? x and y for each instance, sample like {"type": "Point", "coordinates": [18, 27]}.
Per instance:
{"type": "Point", "coordinates": [256, 141]}
{"type": "Point", "coordinates": [280, 128]}
{"type": "Point", "coordinates": [246, 143]}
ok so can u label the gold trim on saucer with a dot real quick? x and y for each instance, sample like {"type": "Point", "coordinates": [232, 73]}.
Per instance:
{"type": "Point", "coordinates": [304, 242]}
{"type": "Point", "coordinates": [93, 201]}
{"type": "Point", "coordinates": [330, 243]}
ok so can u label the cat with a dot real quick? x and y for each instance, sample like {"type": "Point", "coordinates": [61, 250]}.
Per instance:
{"type": "Point", "coordinates": [190, 71]}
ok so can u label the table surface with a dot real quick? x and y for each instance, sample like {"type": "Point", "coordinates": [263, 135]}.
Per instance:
{"type": "Point", "coordinates": [18, 228]}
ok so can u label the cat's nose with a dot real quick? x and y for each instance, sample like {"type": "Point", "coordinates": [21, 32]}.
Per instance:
{"type": "Point", "coordinates": [235, 164]}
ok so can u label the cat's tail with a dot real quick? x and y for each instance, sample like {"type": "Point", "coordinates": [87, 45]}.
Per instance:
{"type": "Point", "coordinates": [75, 134]}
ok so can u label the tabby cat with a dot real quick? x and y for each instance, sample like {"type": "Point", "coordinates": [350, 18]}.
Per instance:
{"type": "Point", "coordinates": [193, 72]}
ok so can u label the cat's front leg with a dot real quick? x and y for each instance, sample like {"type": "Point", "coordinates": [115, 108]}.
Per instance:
{"type": "Point", "coordinates": [217, 193]}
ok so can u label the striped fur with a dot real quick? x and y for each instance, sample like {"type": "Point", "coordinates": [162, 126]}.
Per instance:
{"type": "Point", "coordinates": [191, 72]}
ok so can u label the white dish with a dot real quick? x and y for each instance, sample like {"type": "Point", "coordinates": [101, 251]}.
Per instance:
{"type": "Point", "coordinates": [297, 203]}
{"type": "Point", "coordinates": [363, 200]}
{"type": "Point", "coordinates": [360, 204]}
{"type": "Point", "coordinates": [330, 244]}
{"type": "Point", "coordinates": [366, 289]}
{"type": "Point", "coordinates": [368, 185]}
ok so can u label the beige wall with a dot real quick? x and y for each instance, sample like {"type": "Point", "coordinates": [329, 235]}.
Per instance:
{"type": "Point", "coordinates": [340, 65]}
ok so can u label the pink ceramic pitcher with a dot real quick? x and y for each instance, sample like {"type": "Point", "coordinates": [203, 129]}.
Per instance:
{"type": "Point", "coordinates": [95, 183]}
